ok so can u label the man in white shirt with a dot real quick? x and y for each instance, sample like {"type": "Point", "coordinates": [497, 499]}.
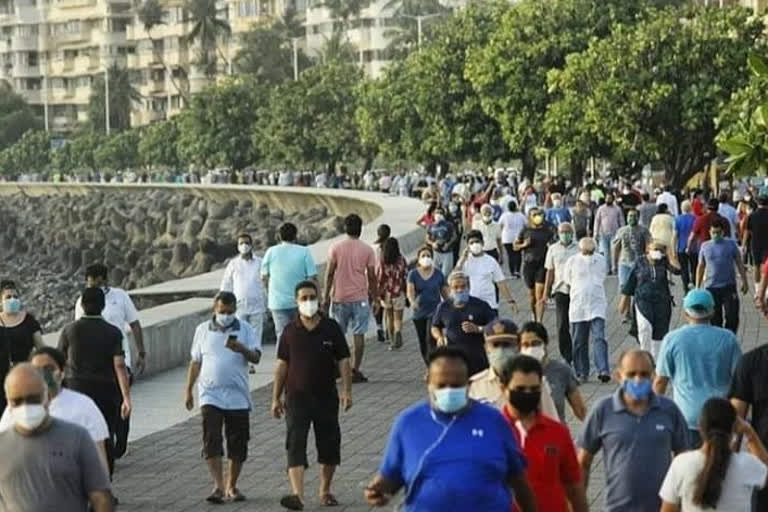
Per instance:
{"type": "Point", "coordinates": [554, 285]}
{"type": "Point", "coordinates": [65, 404]}
{"type": "Point", "coordinates": [668, 198]}
{"type": "Point", "coordinates": [119, 310]}
{"type": "Point", "coordinates": [242, 276]}
{"type": "Point", "coordinates": [484, 272]}
{"type": "Point", "coordinates": [584, 274]}
{"type": "Point", "coordinates": [512, 224]}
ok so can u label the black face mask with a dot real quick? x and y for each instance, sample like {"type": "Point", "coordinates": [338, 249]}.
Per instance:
{"type": "Point", "coordinates": [524, 401]}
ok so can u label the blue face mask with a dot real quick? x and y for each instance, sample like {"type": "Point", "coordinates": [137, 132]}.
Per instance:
{"type": "Point", "coordinates": [639, 389]}
{"type": "Point", "coordinates": [12, 305]}
{"type": "Point", "coordinates": [460, 298]}
{"type": "Point", "coordinates": [450, 400]}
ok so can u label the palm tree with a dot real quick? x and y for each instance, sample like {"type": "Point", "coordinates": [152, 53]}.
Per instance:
{"type": "Point", "coordinates": [337, 48]}
{"type": "Point", "coordinates": [345, 9]}
{"type": "Point", "coordinates": [150, 14]}
{"type": "Point", "coordinates": [207, 28]}
{"type": "Point", "coordinates": [405, 37]}
{"type": "Point", "coordinates": [122, 96]}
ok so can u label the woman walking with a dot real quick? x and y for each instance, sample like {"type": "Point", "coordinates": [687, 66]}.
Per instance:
{"type": "Point", "coordinates": [382, 233]}
{"type": "Point", "coordinates": [715, 478]}
{"type": "Point", "coordinates": [426, 289]}
{"type": "Point", "coordinates": [390, 275]}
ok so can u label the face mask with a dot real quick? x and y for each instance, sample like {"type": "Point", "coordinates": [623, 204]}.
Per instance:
{"type": "Point", "coordinates": [609, 202]}
{"type": "Point", "coordinates": [566, 238]}
{"type": "Point", "coordinates": [453, 207]}
{"type": "Point", "coordinates": [476, 248]}
{"type": "Point", "coordinates": [538, 219]}
{"type": "Point", "coordinates": [12, 305]}
{"type": "Point", "coordinates": [224, 319]}
{"type": "Point", "coordinates": [632, 221]}
{"type": "Point", "coordinates": [460, 298]}
{"type": "Point", "coordinates": [28, 416]}
{"type": "Point", "coordinates": [524, 401]}
{"type": "Point", "coordinates": [244, 248]}
{"type": "Point", "coordinates": [308, 308]}
{"type": "Point", "coordinates": [716, 237]}
{"type": "Point", "coordinates": [487, 219]}
{"type": "Point", "coordinates": [557, 203]}
{"type": "Point", "coordinates": [498, 357]}
{"type": "Point", "coordinates": [656, 255]}
{"type": "Point", "coordinates": [450, 400]}
{"type": "Point", "coordinates": [439, 217]}
{"type": "Point", "coordinates": [425, 261]}
{"type": "Point", "coordinates": [537, 352]}
{"type": "Point", "coordinates": [639, 389]}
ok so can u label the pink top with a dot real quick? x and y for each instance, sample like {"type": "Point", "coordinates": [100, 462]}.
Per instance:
{"type": "Point", "coordinates": [353, 258]}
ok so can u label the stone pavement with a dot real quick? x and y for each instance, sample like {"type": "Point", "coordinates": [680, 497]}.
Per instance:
{"type": "Point", "coordinates": [163, 471]}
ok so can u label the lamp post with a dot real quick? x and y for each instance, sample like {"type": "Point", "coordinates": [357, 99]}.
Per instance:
{"type": "Point", "coordinates": [106, 95]}
{"type": "Point", "coordinates": [419, 19]}
{"type": "Point", "coordinates": [294, 44]}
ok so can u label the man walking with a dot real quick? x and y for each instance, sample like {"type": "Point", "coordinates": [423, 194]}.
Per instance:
{"type": "Point", "coordinates": [485, 460]}
{"type": "Point", "coordinates": [284, 266]}
{"type": "Point", "coordinates": [312, 353]}
{"type": "Point", "coordinates": [119, 311]}
{"type": "Point", "coordinates": [221, 350]}
{"type": "Point", "coordinates": [608, 220]}
{"type": "Point", "coordinates": [554, 285]}
{"type": "Point", "coordinates": [629, 245]}
{"type": "Point", "coordinates": [350, 280]}
{"type": "Point", "coordinates": [638, 431]}
{"type": "Point", "coordinates": [585, 277]}
{"type": "Point", "coordinates": [715, 272]}
{"type": "Point", "coordinates": [96, 364]}
{"type": "Point", "coordinates": [683, 228]}
{"type": "Point", "coordinates": [441, 236]}
{"type": "Point", "coordinates": [48, 464]}
{"type": "Point", "coordinates": [242, 276]}
{"type": "Point", "coordinates": [484, 272]}
{"type": "Point", "coordinates": [699, 359]}
{"type": "Point", "coordinates": [756, 233]}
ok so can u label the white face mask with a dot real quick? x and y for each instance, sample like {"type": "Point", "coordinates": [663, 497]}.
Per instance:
{"type": "Point", "coordinates": [28, 416]}
{"type": "Point", "coordinates": [557, 203]}
{"type": "Point", "coordinates": [243, 248]}
{"type": "Point", "coordinates": [425, 261]}
{"type": "Point", "coordinates": [476, 248]}
{"type": "Point", "coordinates": [537, 352]}
{"type": "Point", "coordinates": [224, 319]}
{"type": "Point", "coordinates": [308, 308]}
{"type": "Point", "coordinates": [656, 254]}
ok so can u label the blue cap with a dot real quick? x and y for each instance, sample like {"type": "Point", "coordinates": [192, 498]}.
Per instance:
{"type": "Point", "coordinates": [500, 328]}
{"type": "Point", "coordinates": [699, 303]}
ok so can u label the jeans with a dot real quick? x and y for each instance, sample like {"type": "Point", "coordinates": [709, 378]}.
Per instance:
{"type": "Point", "coordinates": [580, 332]}
{"type": "Point", "coordinates": [352, 316]}
{"type": "Point", "coordinates": [562, 303]}
{"type": "Point", "coordinates": [605, 248]}
{"type": "Point", "coordinates": [444, 262]}
{"type": "Point", "coordinates": [426, 341]}
{"type": "Point", "coordinates": [281, 318]}
{"type": "Point", "coordinates": [726, 301]}
{"type": "Point", "coordinates": [514, 259]}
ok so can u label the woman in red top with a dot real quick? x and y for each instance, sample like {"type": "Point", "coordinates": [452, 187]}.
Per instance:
{"type": "Point", "coordinates": [428, 218]}
{"type": "Point", "coordinates": [390, 277]}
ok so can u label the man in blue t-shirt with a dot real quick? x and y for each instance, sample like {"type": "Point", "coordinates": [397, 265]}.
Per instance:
{"type": "Point", "coordinates": [441, 237]}
{"type": "Point", "coordinates": [450, 452]}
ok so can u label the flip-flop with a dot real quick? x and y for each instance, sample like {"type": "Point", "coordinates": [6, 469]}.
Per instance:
{"type": "Point", "coordinates": [329, 500]}
{"type": "Point", "coordinates": [216, 497]}
{"type": "Point", "coordinates": [236, 496]}
{"type": "Point", "coordinates": [291, 502]}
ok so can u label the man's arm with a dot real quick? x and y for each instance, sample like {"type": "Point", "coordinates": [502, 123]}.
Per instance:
{"type": "Point", "coordinates": [523, 493]}
{"type": "Point", "coordinates": [624, 303]}
{"type": "Point", "coordinates": [373, 286]}
{"type": "Point", "coordinates": [660, 385]}
{"type": "Point", "coordinates": [138, 338]}
{"type": "Point", "coordinates": [330, 273]}
{"type": "Point", "coordinates": [577, 497]}
{"type": "Point", "coordinates": [265, 283]}
{"type": "Point", "coordinates": [576, 401]}
{"type": "Point", "coordinates": [700, 268]}
{"type": "Point", "coordinates": [228, 278]}
{"type": "Point", "coordinates": [742, 407]}
{"type": "Point", "coordinates": [548, 280]}
{"type": "Point", "coordinates": [345, 370]}
{"type": "Point", "coordinates": [380, 491]}
{"type": "Point", "coordinates": [742, 271]}
{"type": "Point", "coordinates": [278, 387]}
{"type": "Point", "coordinates": [123, 381]}
{"type": "Point", "coordinates": [101, 501]}
{"type": "Point", "coordinates": [438, 335]}
{"type": "Point", "coordinates": [192, 373]}
{"type": "Point", "coordinates": [585, 461]}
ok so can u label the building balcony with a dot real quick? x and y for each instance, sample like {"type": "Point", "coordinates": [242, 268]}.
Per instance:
{"type": "Point", "coordinates": [71, 4]}
{"type": "Point", "coordinates": [22, 44]}
{"type": "Point", "coordinates": [71, 37]}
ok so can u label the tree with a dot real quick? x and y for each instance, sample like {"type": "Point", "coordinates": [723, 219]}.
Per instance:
{"type": "Point", "coordinates": [510, 72]}
{"type": "Point", "coordinates": [150, 14]}
{"type": "Point", "coordinates": [651, 92]}
{"type": "Point", "coordinates": [16, 117]}
{"type": "Point", "coordinates": [267, 54]}
{"type": "Point", "coordinates": [83, 149]}
{"type": "Point", "coordinates": [118, 152]}
{"type": "Point", "coordinates": [30, 154]}
{"type": "Point", "coordinates": [158, 145]}
{"type": "Point", "coordinates": [207, 29]}
{"type": "Point", "coordinates": [338, 48]}
{"type": "Point", "coordinates": [312, 119]}
{"type": "Point", "coordinates": [122, 96]}
{"type": "Point", "coordinates": [345, 9]}
{"type": "Point", "coordinates": [743, 122]}
{"type": "Point", "coordinates": [404, 37]}
{"type": "Point", "coordinates": [215, 129]}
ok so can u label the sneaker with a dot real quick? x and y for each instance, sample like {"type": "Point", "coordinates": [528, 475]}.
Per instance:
{"type": "Point", "coordinates": [604, 378]}
{"type": "Point", "coordinates": [380, 335]}
{"type": "Point", "coordinates": [358, 377]}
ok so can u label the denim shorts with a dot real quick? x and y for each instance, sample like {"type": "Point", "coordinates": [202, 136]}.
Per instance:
{"type": "Point", "coordinates": [352, 316]}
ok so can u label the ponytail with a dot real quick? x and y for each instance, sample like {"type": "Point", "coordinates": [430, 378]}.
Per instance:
{"type": "Point", "coordinates": [709, 483]}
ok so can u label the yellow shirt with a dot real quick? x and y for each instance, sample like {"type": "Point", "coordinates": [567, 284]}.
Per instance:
{"type": "Point", "coordinates": [485, 387]}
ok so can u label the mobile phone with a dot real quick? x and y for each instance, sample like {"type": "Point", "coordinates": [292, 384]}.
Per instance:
{"type": "Point", "coordinates": [231, 337]}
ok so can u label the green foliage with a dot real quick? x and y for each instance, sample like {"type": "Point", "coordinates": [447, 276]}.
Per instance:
{"type": "Point", "coordinates": [405, 35]}
{"type": "Point", "coordinates": [650, 92]}
{"type": "Point", "coordinates": [30, 154]}
{"type": "Point", "coordinates": [207, 29]}
{"type": "Point", "coordinates": [158, 145]}
{"type": "Point", "coordinates": [215, 130]}
{"type": "Point", "coordinates": [16, 117]}
{"type": "Point", "coordinates": [267, 54]}
{"type": "Point", "coordinates": [122, 95]}
{"type": "Point", "coordinates": [84, 148]}
{"type": "Point", "coordinates": [345, 9]}
{"type": "Point", "coordinates": [118, 152]}
{"type": "Point", "coordinates": [312, 119]}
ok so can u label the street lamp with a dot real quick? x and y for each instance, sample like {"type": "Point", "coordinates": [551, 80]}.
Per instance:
{"type": "Point", "coordinates": [294, 42]}
{"type": "Point", "coordinates": [419, 19]}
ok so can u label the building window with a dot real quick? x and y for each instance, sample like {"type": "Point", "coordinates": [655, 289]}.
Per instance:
{"type": "Point", "coordinates": [33, 84]}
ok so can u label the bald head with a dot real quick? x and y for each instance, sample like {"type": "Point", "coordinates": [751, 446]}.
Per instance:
{"type": "Point", "coordinates": [25, 384]}
{"type": "Point", "coordinates": [635, 362]}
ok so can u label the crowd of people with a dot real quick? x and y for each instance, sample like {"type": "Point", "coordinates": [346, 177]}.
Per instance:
{"type": "Point", "coordinates": [492, 433]}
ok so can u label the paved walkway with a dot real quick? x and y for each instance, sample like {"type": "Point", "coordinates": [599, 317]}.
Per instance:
{"type": "Point", "coordinates": [163, 471]}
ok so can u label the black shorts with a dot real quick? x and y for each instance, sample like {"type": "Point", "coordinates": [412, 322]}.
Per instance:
{"type": "Point", "coordinates": [236, 429]}
{"type": "Point", "coordinates": [323, 416]}
{"type": "Point", "coordinates": [759, 254]}
{"type": "Point", "coordinates": [534, 272]}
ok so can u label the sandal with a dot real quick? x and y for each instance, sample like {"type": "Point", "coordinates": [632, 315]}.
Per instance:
{"type": "Point", "coordinates": [292, 502]}
{"type": "Point", "coordinates": [329, 500]}
{"type": "Point", "coordinates": [216, 497]}
{"type": "Point", "coordinates": [236, 496]}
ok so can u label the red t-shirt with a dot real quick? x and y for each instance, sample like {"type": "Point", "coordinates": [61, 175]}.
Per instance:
{"type": "Point", "coordinates": [702, 224]}
{"type": "Point", "coordinates": [697, 205]}
{"type": "Point", "coordinates": [552, 462]}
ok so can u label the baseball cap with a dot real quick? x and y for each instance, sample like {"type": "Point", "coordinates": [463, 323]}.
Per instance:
{"type": "Point", "coordinates": [500, 328]}
{"type": "Point", "coordinates": [699, 303]}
